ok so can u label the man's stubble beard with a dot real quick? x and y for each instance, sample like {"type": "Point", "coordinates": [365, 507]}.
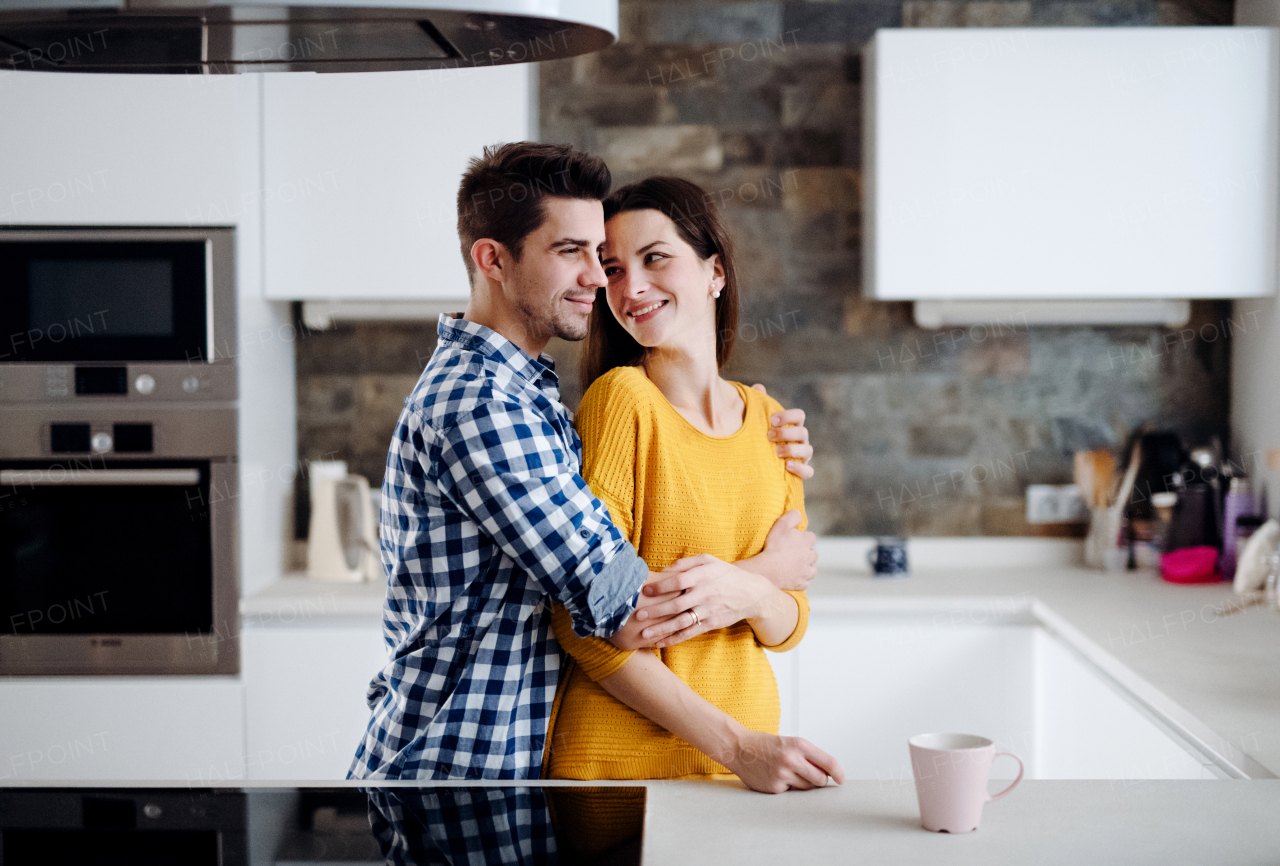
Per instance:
{"type": "Point", "coordinates": [552, 320]}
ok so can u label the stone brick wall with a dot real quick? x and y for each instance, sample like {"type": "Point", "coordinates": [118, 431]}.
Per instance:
{"type": "Point", "coordinates": [916, 431]}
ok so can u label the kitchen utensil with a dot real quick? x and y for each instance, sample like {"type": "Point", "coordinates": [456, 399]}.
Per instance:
{"type": "Point", "coordinates": [1094, 473]}
{"type": "Point", "coordinates": [951, 772]}
{"type": "Point", "coordinates": [889, 557]}
{"type": "Point", "coordinates": [1159, 457]}
{"type": "Point", "coordinates": [342, 544]}
{"type": "Point", "coordinates": [1105, 523]}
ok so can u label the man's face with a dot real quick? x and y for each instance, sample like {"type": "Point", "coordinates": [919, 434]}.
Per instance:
{"type": "Point", "coordinates": [554, 284]}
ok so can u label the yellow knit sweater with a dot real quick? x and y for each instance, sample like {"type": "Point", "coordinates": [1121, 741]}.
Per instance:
{"type": "Point", "coordinates": [673, 491]}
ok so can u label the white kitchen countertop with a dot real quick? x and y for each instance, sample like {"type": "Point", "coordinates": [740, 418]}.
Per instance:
{"type": "Point", "coordinates": [1220, 669]}
{"type": "Point", "coordinates": [1160, 823]}
{"type": "Point", "coordinates": [295, 600]}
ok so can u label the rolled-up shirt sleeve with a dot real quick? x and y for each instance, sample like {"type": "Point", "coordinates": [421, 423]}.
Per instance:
{"type": "Point", "coordinates": [504, 465]}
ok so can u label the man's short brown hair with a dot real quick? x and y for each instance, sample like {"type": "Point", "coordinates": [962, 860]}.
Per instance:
{"type": "Point", "coordinates": [502, 194]}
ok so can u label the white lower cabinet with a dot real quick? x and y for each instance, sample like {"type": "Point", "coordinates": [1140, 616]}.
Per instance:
{"type": "Point", "coordinates": [181, 729]}
{"type": "Point", "coordinates": [296, 711]}
{"type": "Point", "coordinates": [865, 685]}
{"type": "Point", "coordinates": [786, 670]}
{"type": "Point", "coordinates": [859, 686]}
{"type": "Point", "coordinates": [305, 697]}
{"type": "Point", "coordinates": [1086, 730]}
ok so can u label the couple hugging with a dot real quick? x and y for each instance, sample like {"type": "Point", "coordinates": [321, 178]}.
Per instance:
{"type": "Point", "coordinates": [590, 602]}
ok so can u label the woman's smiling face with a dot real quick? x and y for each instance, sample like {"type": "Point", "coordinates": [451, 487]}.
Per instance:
{"type": "Point", "coordinates": [659, 289]}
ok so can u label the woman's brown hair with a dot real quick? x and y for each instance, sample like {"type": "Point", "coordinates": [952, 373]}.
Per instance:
{"type": "Point", "coordinates": [686, 204]}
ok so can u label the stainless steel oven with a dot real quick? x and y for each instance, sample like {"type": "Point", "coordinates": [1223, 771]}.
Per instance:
{"type": "Point", "coordinates": [118, 417]}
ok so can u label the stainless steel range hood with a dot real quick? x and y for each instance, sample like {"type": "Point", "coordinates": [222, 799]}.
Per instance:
{"type": "Point", "coordinates": [194, 37]}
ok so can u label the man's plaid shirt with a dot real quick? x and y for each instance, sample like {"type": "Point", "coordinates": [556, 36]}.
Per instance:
{"type": "Point", "coordinates": [485, 521]}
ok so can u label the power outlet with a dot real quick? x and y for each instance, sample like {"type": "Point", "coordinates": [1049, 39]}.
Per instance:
{"type": "Point", "coordinates": [1055, 503]}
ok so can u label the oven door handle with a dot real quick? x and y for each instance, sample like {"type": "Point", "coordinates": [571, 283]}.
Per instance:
{"type": "Point", "coordinates": [98, 477]}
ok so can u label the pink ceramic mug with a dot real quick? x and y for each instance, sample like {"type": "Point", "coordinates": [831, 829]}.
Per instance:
{"type": "Point", "coordinates": [951, 773]}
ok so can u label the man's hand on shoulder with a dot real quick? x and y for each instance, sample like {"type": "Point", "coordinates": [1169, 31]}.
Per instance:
{"type": "Point", "coordinates": [788, 432]}
{"type": "Point", "coordinates": [789, 558]}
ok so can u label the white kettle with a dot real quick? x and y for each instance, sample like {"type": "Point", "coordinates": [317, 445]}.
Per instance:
{"type": "Point", "coordinates": [342, 542]}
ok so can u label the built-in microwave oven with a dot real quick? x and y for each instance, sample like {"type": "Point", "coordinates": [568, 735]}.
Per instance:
{"type": "Point", "coordinates": [118, 457]}
{"type": "Point", "coordinates": [96, 295]}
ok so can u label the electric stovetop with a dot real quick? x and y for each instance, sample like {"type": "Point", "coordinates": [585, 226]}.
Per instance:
{"type": "Point", "coordinates": [288, 826]}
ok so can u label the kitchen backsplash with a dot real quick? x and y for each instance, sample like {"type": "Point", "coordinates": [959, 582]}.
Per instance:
{"type": "Point", "coordinates": [916, 431]}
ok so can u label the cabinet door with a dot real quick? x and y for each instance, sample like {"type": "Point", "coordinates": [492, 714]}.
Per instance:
{"type": "Point", "coordinates": [122, 729]}
{"type": "Point", "coordinates": [305, 697]}
{"type": "Point", "coordinates": [361, 174]}
{"type": "Point", "coordinates": [867, 684]}
{"type": "Point", "coordinates": [786, 672]}
{"type": "Point", "coordinates": [119, 149]}
{"type": "Point", "coordinates": [1086, 730]}
{"type": "Point", "coordinates": [1065, 162]}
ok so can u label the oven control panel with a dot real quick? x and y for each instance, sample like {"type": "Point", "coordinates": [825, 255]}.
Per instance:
{"type": "Point", "coordinates": [141, 382]}
{"type": "Point", "coordinates": [126, 430]}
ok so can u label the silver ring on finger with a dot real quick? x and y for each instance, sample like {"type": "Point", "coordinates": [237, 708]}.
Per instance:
{"type": "Point", "coordinates": [696, 619]}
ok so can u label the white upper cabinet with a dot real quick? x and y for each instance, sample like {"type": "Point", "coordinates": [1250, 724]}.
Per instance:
{"type": "Point", "coordinates": [1071, 163]}
{"type": "Point", "coordinates": [83, 149]}
{"type": "Point", "coordinates": [361, 174]}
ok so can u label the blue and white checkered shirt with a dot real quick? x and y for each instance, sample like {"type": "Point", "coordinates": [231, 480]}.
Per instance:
{"type": "Point", "coordinates": [485, 521]}
{"type": "Point", "coordinates": [457, 825]}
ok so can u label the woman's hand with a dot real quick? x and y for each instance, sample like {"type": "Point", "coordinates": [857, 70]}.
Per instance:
{"type": "Point", "coordinates": [764, 762]}
{"type": "Point", "coordinates": [792, 438]}
{"type": "Point", "coordinates": [772, 764]}
{"type": "Point", "coordinates": [722, 594]}
{"type": "Point", "coordinates": [628, 637]}
{"type": "Point", "coordinates": [789, 559]}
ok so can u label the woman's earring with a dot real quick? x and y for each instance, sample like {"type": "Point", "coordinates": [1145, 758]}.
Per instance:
{"type": "Point", "coordinates": [716, 293]}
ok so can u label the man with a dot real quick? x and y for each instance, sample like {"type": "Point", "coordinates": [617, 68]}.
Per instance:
{"type": "Point", "coordinates": [485, 518]}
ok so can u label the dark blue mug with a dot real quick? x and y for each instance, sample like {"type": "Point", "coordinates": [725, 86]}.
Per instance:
{"type": "Point", "coordinates": [889, 557]}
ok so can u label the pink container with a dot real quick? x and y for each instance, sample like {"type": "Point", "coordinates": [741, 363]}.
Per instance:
{"type": "Point", "coordinates": [951, 773]}
{"type": "Point", "coordinates": [1190, 565]}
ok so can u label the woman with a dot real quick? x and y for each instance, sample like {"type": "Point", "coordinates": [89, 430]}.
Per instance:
{"type": "Point", "coordinates": [679, 456]}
